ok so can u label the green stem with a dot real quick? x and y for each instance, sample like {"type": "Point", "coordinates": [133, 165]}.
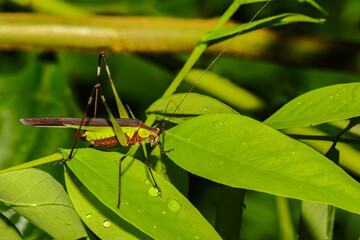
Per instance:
{"type": "Point", "coordinates": [285, 223]}
{"type": "Point", "coordinates": [199, 49]}
{"type": "Point", "coordinates": [194, 56]}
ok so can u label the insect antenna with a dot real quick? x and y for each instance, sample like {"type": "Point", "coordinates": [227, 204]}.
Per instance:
{"type": "Point", "coordinates": [206, 70]}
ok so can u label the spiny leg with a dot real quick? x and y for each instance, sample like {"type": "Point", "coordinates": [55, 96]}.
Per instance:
{"type": "Point", "coordinates": [91, 97]}
{"type": "Point", "coordinates": [149, 167]}
{"type": "Point", "coordinates": [119, 194]}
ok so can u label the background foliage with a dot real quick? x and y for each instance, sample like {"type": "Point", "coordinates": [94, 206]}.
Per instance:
{"type": "Point", "coordinates": [276, 66]}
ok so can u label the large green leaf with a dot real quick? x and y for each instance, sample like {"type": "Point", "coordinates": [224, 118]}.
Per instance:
{"type": "Point", "coordinates": [100, 219]}
{"type": "Point", "coordinates": [241, 152]}
{"type": "Point", "coordinates": [168, 216]}
{"type": "Point", "coordinates": [321, 105]}
{"type": "Point", "coordinates": [35, 195]}
{"type": "Point", "coordinates": [192, 104]}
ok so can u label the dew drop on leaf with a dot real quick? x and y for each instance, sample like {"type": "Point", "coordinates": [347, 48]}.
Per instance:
{"type": "Point", "coordinates": [153, 191]}
{"type": "Point", "coordinates": [88, 216]}
{"type": "Point", "coordinates": [106, 223]}
{"type": "Point", "coordinates": [173, 205]}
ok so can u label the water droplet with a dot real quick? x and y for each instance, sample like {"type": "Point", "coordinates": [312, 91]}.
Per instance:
{"type": "Point", "coordinates": [154, 192]}
{"type": "Point", "coordinates": [155, 226]}
{"type": "Point", "coordinates": [344, 89]}
{"type": "Point", "coordinates": [197, 237]}
{"type": "Point", "coordinates": [106, 223]}
{"type": "Point", "coordinates": [173, 205]}
{"type": "Point", "coordinates": [337, 94]}
{"type": "Point", "coordinates": [163, 212]}
{"type": "Point", "coordinates": [293, 152]}
{"type": "Point", "coordinates": [180, 109]}
{"type": "Point", "coordinates": [147, 182]}
{"type": "Point", "coordinates": [311, 103]}
{"type": "Point", "coordinates": [141, 210]}
{"type": "Point", "coordinates": [88, 216]}
{"type": "Point", "coordinates": [331, 97]}
{"type": "Point", "coordinates": [220, 123]}
{"type": "Point", "coordinates": [206, 109]}
{"type": "Point", "coordinates": [299, 103]}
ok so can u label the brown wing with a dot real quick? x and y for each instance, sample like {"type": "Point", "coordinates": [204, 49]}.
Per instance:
{"type": "Point", "coordinates": [63, 121]}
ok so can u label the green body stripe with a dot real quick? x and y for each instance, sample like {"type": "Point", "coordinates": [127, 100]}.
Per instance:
{"type": "Point", "coordinates": [97, 133]}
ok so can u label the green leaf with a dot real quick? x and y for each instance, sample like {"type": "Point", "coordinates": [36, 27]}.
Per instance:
{"type": "Point", "coordinates": [8, 229]}
{"type": "Point", "coordinates": [317, 221]}
{"type": "Point", "coordinates": [35, 195]}
{"type": "Point", "coordinates": [315, 5]}
{"type": "Point", "coordinates": [278, 20]}
{"type": "Point", "coordinates": [97, 216]}
{"type": "Point", "coordinates": [168, 216]}
{"type": "Point", "coordinates": [194, 104]}
{"type": "Point", "coordinates": [321, 105]}
{"type": "Point", "coordinates": [36, 90]}
{"type": "Point", "coordinates": [51, 158]}
{"type": "Point", "coordinates": [241, 152]}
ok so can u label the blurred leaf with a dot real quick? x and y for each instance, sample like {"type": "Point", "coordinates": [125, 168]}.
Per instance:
{"type": "Point", "coordinates": [38, 90]}
{"type": "Point", "coordinates": [260, 218]}
{"type": "Point", "coordinates": [241, 152]}
{"type": "Point", "coordinates": [229, 212]}
{"type": "Point", "coordinates": [225, 90]}
{"type": "Point", "coordinates": [321, 105]}
{"type": "Point", "coordinates": [37, 196]}
{"type": "Point", "coordinates": [317, 221]}
{"type": "Point", "coordinates": [8, 230]}
{"type": "Point", "coordinates": [193, 104]}
{"type": "Point", "coordinates": [315, 5]}
{"type": "Point", "coordinates": [57, 7]}
{"type": "Point", "coordinates": [99, 219]}
{"type": "Point", "coordinates": [278, 20]}
{"type": "Point", "coordinates": [286, 228]}
{"type": "Point", "coordinates": [168, 216]}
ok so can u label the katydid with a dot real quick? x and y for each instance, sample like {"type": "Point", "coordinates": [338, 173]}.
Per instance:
{"type": "Point", "coordinates": [122, 131]}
